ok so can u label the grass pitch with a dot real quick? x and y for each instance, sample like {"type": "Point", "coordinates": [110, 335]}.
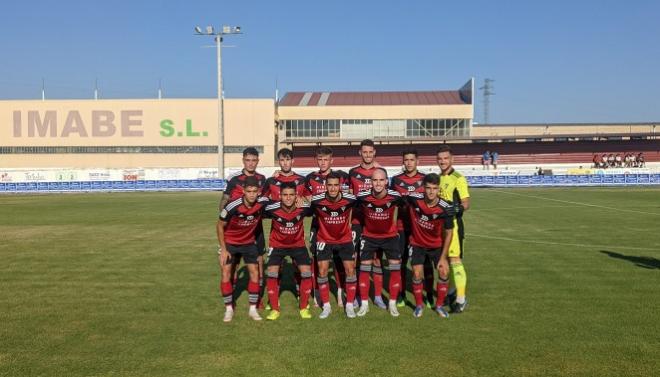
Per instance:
{"type": "Point", "coordinates": [560, 282]}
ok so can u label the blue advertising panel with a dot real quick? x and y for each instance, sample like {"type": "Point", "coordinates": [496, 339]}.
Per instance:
{"type": "Point", "coordinates": [31, 186]}
{"type": "Point", "coordinates": [512, 179]}
{"type": "Point", "coordinates": [583, 179]}
{"type": "Point", "coordinates": [489, 180]}
{"type": "Point", "coordinates": [654, 178]}
{"type": "Point", "coordinates": [85, 186]}
{"type": "Point", "coordinates": [10, 187]}
{"type": "Point", "coordinates": [21, 186]}
{"type": "Point", "coordinates": [608, 179]}
{"type": "Point", "coordinates": [140, 185]}
{"type": "Point", "coordinates": [75, 186]}
{"type": "Point", "coordinates": [631, 178]}
{"type": "Point", "coordinates": [643, 178]}
{"type": "Point", "coordinates": [65, 186]}
{"type": "Point", "coordinates": [619, 178]}
{"type": "Point", "coordinates": [2, 186]}
{"type": "Point", "coordinates": [42, 186]}
{"type": "Point", "coordinates": [151, 185]}
{"type": "Point", "coordinates": [500, 180]}
{"type": "Point", "coordinates": [595, 179]}
{"type": "Point", "coordinates": [524, 179]}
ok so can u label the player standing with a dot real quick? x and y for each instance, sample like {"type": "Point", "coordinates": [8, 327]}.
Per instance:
{"type": "Point", "coordinates": [431, 223]}
{"type": "Point", "coordinates": [410, 180]}
{"type": "Point", "coordinates": [234, 190]}
{"type": "Point", "coordinates": [379, 233]}
{"type": "Point", "coordinates": [454, 188]}
{"type": "Point", "coordinates": [333, 213]}
{"type": "Point", "coordinates": [287, 239]}
{"type": "Point", "coordinates": [360, 180]}
{"type": "Point", "coordinates": [315, 185]}
{"type": "Point", "coordinates": [236, 237]}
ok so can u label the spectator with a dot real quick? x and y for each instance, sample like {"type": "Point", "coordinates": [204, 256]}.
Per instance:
{"type": "Point", "coordinates": [610, 160]}
{"type": "Point", "coordinates": [633, 161]}
{"type": "Point", "coordinates": [603, 161]}
{"type": "Point", "coordinates": [493, 157]}
{"type": "Point", "coordinates": [618, 160]}
{"type": "Point", "coordinates": [640, 160]}
{"type": "Point", "coordinates": [596, 161]}
{"type": "Point", "coordinates": [540, 172]}
{"type": "Point", "coordinates": [485, 160]}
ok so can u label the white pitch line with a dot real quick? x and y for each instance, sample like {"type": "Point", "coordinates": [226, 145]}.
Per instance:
{"type": "Point", "coordinates": [577, 203]}
{"type": "Point", "coordinates": [562, 243]}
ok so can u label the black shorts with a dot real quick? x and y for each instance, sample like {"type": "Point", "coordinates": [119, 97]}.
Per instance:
{"type": "Point", "coordinates": [313, 232]}
{"type": "Point", "coordinates": [356, 233]}
{"type": "Point", "coordinates": [297, 254]}
{"type": "Point", "coordinates": [418, 255]}
{"type": "Point", "coordinates": [249, 253]}
{"type": "Point", "coordinates": [325, 252]}
{"type": "Point", "coordinates": [260, 239]}
{"type": "Point", "coordinates": [390, 246]}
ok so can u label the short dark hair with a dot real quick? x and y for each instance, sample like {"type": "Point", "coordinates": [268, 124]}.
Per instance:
{"type": "Point", "coordinates": [432, 178]}
{"type": "Point", "coordinates": [333, 175]}
{"type": "Point", "coordinates": [444, 148]}
{"type": "Point", "coordinates": [287, 185]}
{"type": "Point", "coordinates": [367, 143]}
{"type": "Point", "coordinates": [285, 152]}
{"type": "Point", "coordinates": [252, 151]}
{"type": "Point", "coordinates": [323, 151]}
{"type": "Point", "coordinates": [409, 151]}
{"type": "Point", "coordinates": [251, 181]}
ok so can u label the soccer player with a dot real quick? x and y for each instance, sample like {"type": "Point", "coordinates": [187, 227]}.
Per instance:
{"type": "Point", "coordinates": [315, 185]}
{"type": "Point", "coordinates": [234, 190]}
{"type": "Point", "coordinates": [360, 180]}
{"type": "Point", "coordinates": [406, 182]}
{"type": "Point", "coordinates": [287, 239]}
{"type": "Point", "coordinates": [274, 184]}
{"type": "Point", "coordinates": [236, 237]}
{"type": "Point", "coordinates": [454, 188]}
{"type": "Point", "coordinates": [379, 233]}
{"type": "Point", "coordinates": [333, 213]}
{"type": "Point", "coordinates": [431, 223]}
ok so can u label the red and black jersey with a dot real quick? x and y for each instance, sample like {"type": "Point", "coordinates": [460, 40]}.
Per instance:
{"type": "Point", "coordinates": [315, 182]}
{"type": "Point", "coordinates": [333, 219]}
{"type": "Point", "coordinates": [287, 228]}
{"type": "Point", "coordinates": [359, 181]}
{"type": "Point", "coordinates": [427, 223]}
{"type": "Point", "coordinates": [404, 185]}
{"type": "Point", "coordinates": [242, 221]}
{"type": "Point", "coordinates": [272, 186]}
{"type": "Point", "coordinates": [378, 213]}
{"type": "Point", "coordinates": [235, 184]}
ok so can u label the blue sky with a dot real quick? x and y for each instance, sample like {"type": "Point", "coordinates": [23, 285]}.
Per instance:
{"type": "Point", "coordinates": [553, 61]}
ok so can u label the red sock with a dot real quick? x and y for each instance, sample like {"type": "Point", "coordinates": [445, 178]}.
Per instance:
{"type": "Point", "coordinates": [305, 291]}
{"type": "Point", "coordinates": [273, 287]}
{"type": "Point", "coordinates": [365, 283]}
{"type": "Point", "coordinates": [324, 289]}
{"type": "Point", "coordinates": [442, 292]}
{"type": "Point", "coordinates": [418, 287]}
{"type": "Point", "coordinates": [428, 279]}
{"type": "Point", "coordinates": [378, 281]}
{"type": "Point", "coordinates": [315, 273]}
{"type": "Point", "coordinates": [351, 288]}
{"type": "Point", "coordinates": [227, 291]}
{"type": "Point", "coordinates": [395, 281]}
{"type": "Point", "coordinates": [253, 290]}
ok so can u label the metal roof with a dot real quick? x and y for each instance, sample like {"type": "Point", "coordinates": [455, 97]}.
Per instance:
{"type": "Point", "coordinates": [440, 97]}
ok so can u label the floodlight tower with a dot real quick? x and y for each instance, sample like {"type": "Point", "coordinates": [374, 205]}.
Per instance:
{"type": "Point", "coordinates": [487, 92]}
{"type": "Point", "coordinates": [218, 35]}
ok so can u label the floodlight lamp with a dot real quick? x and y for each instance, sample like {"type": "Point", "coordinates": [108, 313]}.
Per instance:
{"type": "Point", "coordinates": [198, 30]}
{"type": "Point", "coordinates": [209, 30]}
{"type": "Point", "coordinates": [237, 29]}
{"type": "Point", "coordinates": [226, 29]}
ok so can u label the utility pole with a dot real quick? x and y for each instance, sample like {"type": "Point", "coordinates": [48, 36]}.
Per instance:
{"type": "Point", "coordinates": [487, 93]}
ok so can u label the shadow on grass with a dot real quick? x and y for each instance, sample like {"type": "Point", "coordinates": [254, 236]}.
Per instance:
{"type": "Point", "coordinates": [640, 261]}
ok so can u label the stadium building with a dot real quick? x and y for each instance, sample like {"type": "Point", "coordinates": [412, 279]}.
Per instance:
{"type": "Point", "coordinates": [177, 138]}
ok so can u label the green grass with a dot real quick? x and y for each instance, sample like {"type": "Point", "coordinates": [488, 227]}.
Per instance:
{"type": "Point", "coordinates": [561, 282]}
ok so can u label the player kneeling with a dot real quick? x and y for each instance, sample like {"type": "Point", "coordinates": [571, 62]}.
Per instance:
{"type": "Point", "coordinates": [431, 233]}
{"type": "Point", "coordinates": [287, 239]}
